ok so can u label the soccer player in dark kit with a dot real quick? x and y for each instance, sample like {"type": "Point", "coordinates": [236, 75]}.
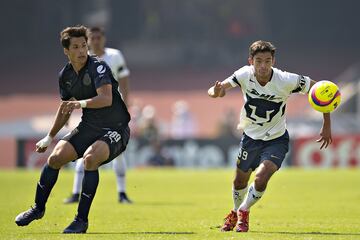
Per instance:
{"type": "Point", "coordinates": [103, 133]}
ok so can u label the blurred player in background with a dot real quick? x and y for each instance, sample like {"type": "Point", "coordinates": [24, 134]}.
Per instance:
{"type": "Point", "coordinates": [116, 61]}
{"type": "Point", "coordinates": [265, 141]}
{"type": "Point", "coordinates": [103, 133]}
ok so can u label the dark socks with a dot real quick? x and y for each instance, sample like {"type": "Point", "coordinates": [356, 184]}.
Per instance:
{"type": "Point", "coordinates": [47, 181]}
{"type": "Point", "coordinates": [89, 186]}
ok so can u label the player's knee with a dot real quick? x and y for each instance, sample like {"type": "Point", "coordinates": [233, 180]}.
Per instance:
{"type": "Point", "coordinates": [54, 161]}
{"type": "Point", "coordinates": [90, 162]}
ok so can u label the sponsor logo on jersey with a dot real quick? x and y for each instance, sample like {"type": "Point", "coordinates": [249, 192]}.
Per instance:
{"type": "Point", "coordinates": [101, 69]}
{"type": "Point", "coordinates": [264, 96]}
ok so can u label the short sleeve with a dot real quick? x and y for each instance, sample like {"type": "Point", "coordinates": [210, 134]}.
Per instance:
{"type": "Point", "coordinates": [122, 70]}
{"type": "Point", "coordinates": [239, 77]}
{"type": "Point", "coordinates": [101, 75]}
{"type": "Point", "coordinates": [297, 83]}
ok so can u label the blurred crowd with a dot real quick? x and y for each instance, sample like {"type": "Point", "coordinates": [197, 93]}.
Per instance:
{"type": "Point", "coordinates": [146, 125]}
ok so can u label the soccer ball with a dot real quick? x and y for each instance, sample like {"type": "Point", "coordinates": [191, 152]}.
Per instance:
{"type": "Point", "coordinates": [324, 96]}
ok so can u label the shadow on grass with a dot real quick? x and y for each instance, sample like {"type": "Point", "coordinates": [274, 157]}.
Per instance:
{"type": "Point", "coordinates": [117, 233]}
{"type": "Point", "coordinates": [145, 233]}
{"type": "Point", "coordinates": [310, 233]}
{"type": "Point", "coordinates": [154, 204]}
{"type": "Point", "coordinates": [300, 233]}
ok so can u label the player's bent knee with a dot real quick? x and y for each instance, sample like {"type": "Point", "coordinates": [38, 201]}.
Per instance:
{"type": "Point", "coordinates": [54, 161]}
{"type": "Point", "coordinates": [90, 162]}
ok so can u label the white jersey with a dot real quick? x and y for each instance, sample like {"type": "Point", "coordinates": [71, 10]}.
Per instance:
{"type": "Point", "coordinates": [116, 62]}
{"type": "Point", "coordinates": [263, 114]}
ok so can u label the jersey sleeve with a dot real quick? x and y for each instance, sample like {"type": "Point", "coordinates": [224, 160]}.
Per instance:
{"type": "Point", "coordinates": [101, 74]}
{"type": "Point", "coordinates": [64, 93]}
{"type": "Point", "coordinates": [297, 83]}
{"type": "Point", "coordinates": [239, 77]}
{"type": "Point", "coordinates": [122, 70]}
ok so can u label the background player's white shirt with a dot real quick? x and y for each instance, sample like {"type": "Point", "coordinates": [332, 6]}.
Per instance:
{"type": "Point", "coordinates": [116, 62]}
{"type": "Point", "coordinates": [263, 114]}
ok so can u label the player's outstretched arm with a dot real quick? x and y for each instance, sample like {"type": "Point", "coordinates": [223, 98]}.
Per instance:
{"type": "Point", "coordinates": [219, 89]}
{"type": "Point", "coordinates": [60, 120]}
{"type": "Point", "coordinates": [325, 132]}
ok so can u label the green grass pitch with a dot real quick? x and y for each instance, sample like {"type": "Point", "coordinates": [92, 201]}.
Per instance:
{"type": "Point", "coordinates": [190, 204]}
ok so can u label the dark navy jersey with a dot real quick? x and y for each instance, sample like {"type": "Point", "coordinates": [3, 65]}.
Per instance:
{"type": "Point", "coordinates": [83, 85]}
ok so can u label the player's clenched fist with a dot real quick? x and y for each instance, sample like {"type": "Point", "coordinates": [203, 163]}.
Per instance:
{"type": "Point", "coordinates": [42, 145]}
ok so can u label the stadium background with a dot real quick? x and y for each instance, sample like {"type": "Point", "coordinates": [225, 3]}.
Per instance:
{"type": "Point", "coordinates": [175, 50]}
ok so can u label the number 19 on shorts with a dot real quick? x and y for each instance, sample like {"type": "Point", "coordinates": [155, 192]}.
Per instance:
{"type": "Point", "coordinates": [243, 154]}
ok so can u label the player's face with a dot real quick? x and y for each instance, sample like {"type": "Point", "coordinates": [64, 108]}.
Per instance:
{"type": "Point", "coordinates": [262, 61]}
{"type": "Point", "coordinates": [96, 41]}
{"type": "Point", "coordinates": [77, 52]}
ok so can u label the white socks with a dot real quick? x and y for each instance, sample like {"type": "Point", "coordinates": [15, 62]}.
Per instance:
{"type": "Point", "coordinates": [79, 175]}
{"type": "Point", "coordinates": [238, 197]}
{"type": "Point", "coordinates": [119, 166]}
{"type": "Point", "coordinates": [251, 198]}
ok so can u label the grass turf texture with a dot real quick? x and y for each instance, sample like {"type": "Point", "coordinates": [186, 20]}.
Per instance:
{"type": "Point", "coordinates": [190, 204]}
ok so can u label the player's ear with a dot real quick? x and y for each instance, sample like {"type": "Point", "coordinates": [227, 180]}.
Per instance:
{"type": "Point", "coordinates": [273, 61]}
{"type": "Point", "coordinates": [251, 60]}
{"type": "Point", "coordinates": [66, 51]}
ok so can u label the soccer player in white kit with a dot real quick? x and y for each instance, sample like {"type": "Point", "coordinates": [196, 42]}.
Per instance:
{"type": "Point", "coordinates": [265, 141]}
{"type": "Point", "coordinates": [116, 61]}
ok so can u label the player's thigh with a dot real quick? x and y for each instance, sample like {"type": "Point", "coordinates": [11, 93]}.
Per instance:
{"type": "Point", "coordinates": [275, 150]}
{"type": "Point", "coordinates": [63, 153]}
{"type": "Point", "coordinates": [265, 170]}
{"type": "Point", "coordinates": [96, 154]}
{"type": "Point", "coordinates": [117, 140]}
{"type": "Point", "coordinates": [249, 154]}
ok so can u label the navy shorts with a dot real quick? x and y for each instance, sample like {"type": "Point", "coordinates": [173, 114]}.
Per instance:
{"type": "Point", "coordinates": [253, 152]}
{"type": "Point", "coordinates": [83, 136]}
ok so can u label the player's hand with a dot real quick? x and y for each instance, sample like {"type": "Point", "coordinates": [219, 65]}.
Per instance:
{"type": "Point", "coordinates": [42, 145]}
{"type": "Point", "coordinates": [219, 89]}
{"type": "Point", "coordinates": [68, 106]}
{"type": "Point", "coordinates": [325, 138]}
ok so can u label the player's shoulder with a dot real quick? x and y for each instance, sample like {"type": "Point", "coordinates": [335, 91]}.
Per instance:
{"type": "Point", "coordinates": [97, 65]}
{"type": "Point", "coordinates": [283, 75]}
{"type": "Point", "coordinates": [64, 70]}
{"type": "Point", "coordinates": [247, 69]}
{"type": "Point", "coordinates": [113, 52]}
{"type": "Point", "coordinates": [244, 73]}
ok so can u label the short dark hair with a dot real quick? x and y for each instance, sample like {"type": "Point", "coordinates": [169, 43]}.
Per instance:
{"type": "Point", "coordinates": [97, 29]}
{"type": "Point", "coordinates": [71, 32]}
{"type": "Point", "coordinates": [261, 46]}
